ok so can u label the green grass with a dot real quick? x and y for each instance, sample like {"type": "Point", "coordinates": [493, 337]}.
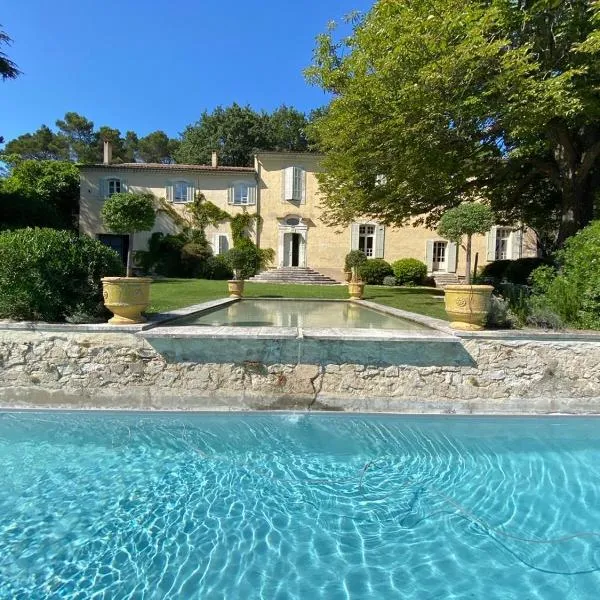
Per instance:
{"type": "Point", "coordinates": [169, 294]}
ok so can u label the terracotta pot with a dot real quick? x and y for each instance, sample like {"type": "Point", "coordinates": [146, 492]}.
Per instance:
{"type": "Point", "coordinates": [235, 288]}
{"type": "Point", "coordinates": [126, 298]}
{"type": "Point", "coordinates": [356, 289]}
{"type": "Point", "coordinates": [468, 305]}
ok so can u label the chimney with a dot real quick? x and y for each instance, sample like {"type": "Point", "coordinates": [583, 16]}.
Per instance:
{"type": "Point", "coordinates": [107, 152]}
{"type": "Point", "coordinates": [215, 160]}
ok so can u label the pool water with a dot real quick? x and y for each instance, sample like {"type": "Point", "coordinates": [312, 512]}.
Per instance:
{"type": "Point", "coordinates": [287, 506]}
{"type": "Point", "coordinates": [299, 313]}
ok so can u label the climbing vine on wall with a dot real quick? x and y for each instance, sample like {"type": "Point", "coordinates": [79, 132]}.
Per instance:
{"type": "Point", "coordinates": [241, 222]}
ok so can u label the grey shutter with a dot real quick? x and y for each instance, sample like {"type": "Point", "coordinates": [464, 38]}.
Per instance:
{"type": "Point", "coordinates": [230, 194]}
{"type": "Point", "coordinates": [379, 241]}
{"type": "Point", "coordinates": [223, 243]}
{"type": "Point", "coordinates": [516, 243]}
{"type": "Point", "coordinates": [169, 191]}
{"type": "Point", "coordinates": [429, 256]}
{"type": "Point", "coordinates": [491, 243]}
{"type": "Point", "coordinates": [102, 188]}
{"type": "Point", "coordinates": [215, 243]}
{"type": "Point", "coordinates": [190, 193]}
{"type": "Point", "coordinates": [288, 184]}
{"type": "Point", "coordinates": [354, 232]}
{"type": "Point", "coordinates": [123, 185]}
{"type": "Point", "coordinates": [252, 194]}
{"type": "Point", "coordinates": [451, 249]}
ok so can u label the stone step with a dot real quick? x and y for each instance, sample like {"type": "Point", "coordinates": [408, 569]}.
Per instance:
{"type": "Point", "coordinates": [304, 275]}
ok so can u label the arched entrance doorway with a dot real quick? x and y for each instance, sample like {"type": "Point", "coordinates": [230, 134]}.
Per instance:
{"type": "Point", "coordinates": [292, 242]}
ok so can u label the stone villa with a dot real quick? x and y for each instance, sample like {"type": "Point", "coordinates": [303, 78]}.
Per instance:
{"type": "Point", "coordinates": [283, 189]}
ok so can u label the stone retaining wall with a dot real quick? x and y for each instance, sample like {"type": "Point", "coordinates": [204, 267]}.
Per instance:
{"type": "Point", "coordinates": [116, 370]}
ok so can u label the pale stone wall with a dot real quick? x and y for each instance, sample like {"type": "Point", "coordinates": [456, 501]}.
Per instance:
{"type": "Point", "coordinates": [213, 184]}
{"type": "Point", "coordinates": [72, 369]}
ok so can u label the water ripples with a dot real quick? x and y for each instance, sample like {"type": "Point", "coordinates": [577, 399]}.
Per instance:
{"type": "Point", "coordinates": [297, 506]}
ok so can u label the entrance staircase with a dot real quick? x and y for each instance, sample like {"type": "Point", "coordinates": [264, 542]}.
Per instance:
{"type": "Point", "coordinates": [293, 275]}
{"type": "Point", "coordinates": [444, 279]}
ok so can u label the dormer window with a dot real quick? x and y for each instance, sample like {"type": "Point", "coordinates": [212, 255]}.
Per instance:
{"type": "Point", "coordinates": [242, 193]}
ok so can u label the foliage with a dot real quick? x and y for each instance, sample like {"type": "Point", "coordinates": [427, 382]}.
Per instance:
{"type": "Point", "coordinates": [240, 224]}
{"type": "Point", "coordinates": [216, 267]}
{"type": "Point", "coordinates": [390, 281]}
{"type": "Point", "coordinates": [236, 132]}
{"type": "Point", "coordinates": [203, 212]}
{"type": "Point", "coordinates": [8, 69]}
{"type": "Point", "coordinates": [45, 191]}
{"type": "Point", "coordinates": [466, 219]}
{"type": "Point", "coordinates": [457, 99]}
{"type": "Point", "coordinates": [374, 270]}
{"type": "Point", "coordinates": [49, 275]}
{"type": "Point", "coordinates": [573, 292]}
{"type": "Point", "coordinates": [494, 271]}
{"type": "Point", "coordinates": [500, 314]}
{"type": "Point", "coordinates": [544, 318]}
{"type": "Point", "coordinates": [128, 213]}
{"type": "Point", "coordinates": [409, 271]}
{"type": "Point", "coordinates": [77, 139]}
{"type": "Point", "coordinates": [353, 261]}
{"type": "Point", "coordinates": [245, 259]}
{"type": "Point", "coordinates": [516, 271]}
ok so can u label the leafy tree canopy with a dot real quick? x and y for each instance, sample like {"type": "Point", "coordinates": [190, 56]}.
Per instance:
{"type": "Point", "coordinates": [8, 69]}
{"type": "Point", "coordinates": [438, 101]}
{"type": "Point", "coordinates": [236, 132]}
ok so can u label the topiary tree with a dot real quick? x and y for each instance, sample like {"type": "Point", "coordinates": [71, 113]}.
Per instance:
{"type": "Point", "coordinates": [466, 219]}
{"type": "Point", "coordinates": [353, 261]}
{"type": "Point", "coordinates": [409, 271]}
{"type": "Point", "coordinates": [374, 270]}
{"type": "Point", "coordinates": [128, 213]}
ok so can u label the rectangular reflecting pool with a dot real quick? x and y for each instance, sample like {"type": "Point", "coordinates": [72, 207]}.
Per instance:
{"type": "Point", "coordinates": [298, 313]}
{"type": "Point", "coordinates": [298, 506]}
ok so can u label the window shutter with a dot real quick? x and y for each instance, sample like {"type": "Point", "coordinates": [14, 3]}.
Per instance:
{"type": "Point", "coordinates": [451, 249]}
{"type": "Point", "coordinates": [190, 193]}
{"type": "Point", "coordinates": [429, 256]}
{"type": "Point", "coordinates": [252, 194]}
{"type": "Point", "coordinates": [379, 241]}
{"type": "Point", "coordinates": [230, 194]}
{"type": "Point", "coordinates": [491, 243]}
{"type": "Point", "coordinates": [123, 185]}
{"type": "Point", "coordinates": [102, 188]}
{"type": "Point", "coordinates": [215, 244]}
{"type": "Point", "coordinates": [169, 191]}
{"type": "Point", "coordinates": [288, 184]}
{"type": "Point", "coordinates": [354, 232]}
{"type": "Point", "coordinates": [223, 243]}
{"type": "Point", "coordinates": [516, 244]}
{"type": "Point", "coordinates": [298, 185]}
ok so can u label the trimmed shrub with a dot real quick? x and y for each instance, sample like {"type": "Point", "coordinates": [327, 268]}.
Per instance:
{"type": "Point", "coordinates": [353, 261]}
{"type": "Point", "coordinates": [390, 281]}
{"type": "Point", "coordinates": [494, 271]}
{"type": "Point", "coordinates": [50, 275]}
{"type": "Point", "coordinates": [246, 259]}
{"type": "Point", "coordinates": [409, 271]}
{"type": "Point", "coordinates": [519, 271]}
{"type": "Point", "coordinates": [216, 267]}
{"type": "Point", "coordinates": [374, 271]}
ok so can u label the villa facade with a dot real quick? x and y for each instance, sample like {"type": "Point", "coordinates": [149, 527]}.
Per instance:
{"type": "Point", "coordinates": [283, 189]}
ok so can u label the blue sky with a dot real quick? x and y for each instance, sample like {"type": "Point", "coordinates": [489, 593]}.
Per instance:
{"type": "Point", "coordinates": [147, 65]}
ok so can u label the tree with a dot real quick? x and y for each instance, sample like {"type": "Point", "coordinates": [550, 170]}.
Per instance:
{"type": "Point", "coordinates": [128, 213]}
{"type": "Point", "coordinates": [8, 69]}
{"type": "Point", "coordinates": [43, 193]}
{"type": "Point", "coordinates": [236, 132]}
{"type": "Point", "coordinates": [466, 220]}
{"type": "Point", "coordinates": [43, 144]}
{"type": "Point", "coordinates": [81, 139]}
{"type": "Point", "coordinates": [438, 101]}
{"type": "Point", "coordinates": [156, 147]}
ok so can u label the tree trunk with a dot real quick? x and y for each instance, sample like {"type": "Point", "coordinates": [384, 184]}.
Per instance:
{"type": "Point", "coordinates": [577, 207]}
{"type": "Point", "coordinates": [468, 261]}
{"type": "Point", "coordinates": [130, 256]}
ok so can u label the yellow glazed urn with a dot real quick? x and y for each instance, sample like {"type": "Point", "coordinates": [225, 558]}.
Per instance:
{"type": "Point", "coordinates": [235, 288]}
{"type": "Point", "coordinates": [356, 289]}
{"type": "Point", "coordinates": [468, 305]}
{"type": "Point", "coordinates": [126, 298]}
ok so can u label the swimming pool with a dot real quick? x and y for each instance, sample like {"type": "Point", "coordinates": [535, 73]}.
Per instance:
{"type": "Point", "coordinates": [298, 313]}
{"type": "Point", "coordinates": [298, 506]}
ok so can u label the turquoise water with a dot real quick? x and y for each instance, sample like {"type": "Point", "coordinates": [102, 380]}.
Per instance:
{"type": "Point", "coordinates": [299, 313]}
{"type": "Point", "coordinates": [286, 506]}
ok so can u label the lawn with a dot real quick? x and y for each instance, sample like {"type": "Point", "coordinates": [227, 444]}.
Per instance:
{"type": "Point", "coordinates": [168, 294]}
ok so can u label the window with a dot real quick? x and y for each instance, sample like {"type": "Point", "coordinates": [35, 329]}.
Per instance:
{"type": "Point", "coordinates": [502, 243]}
{"type": "Point", "coordinates": [293, 184]}
{"type": "Point", "coordinates": [242, 193]}
{"type": "Point", "coordinates": [439, 256]}
{"type": "Point", "coordinates": [366, 239]}
{"type": "Point", "coordinates": [180, 191]}
{"type": "Point", "coordinates": [221, 243]}
{"type": "Point", "coordinates": [110, 186]}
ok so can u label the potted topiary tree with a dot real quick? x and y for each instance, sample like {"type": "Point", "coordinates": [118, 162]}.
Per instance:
{"type": "Point", "coordinates": [245, 259]}
{"type": "Point", "coordinates": [467, 305]}
{"type": "Point", "coordinates": [127, 297]}
{"type": "Point", "coordinates": [354, 260]}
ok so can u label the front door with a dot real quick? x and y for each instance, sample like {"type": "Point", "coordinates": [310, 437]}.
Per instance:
{"type": "Point", "coordinates": [296, 238]}
{"type": "Point", "coordinates": [292, 247]}
{"type": "Point", "coordinates": [440, 257]}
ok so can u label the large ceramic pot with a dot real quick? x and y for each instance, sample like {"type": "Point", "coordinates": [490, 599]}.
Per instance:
{"type": "Point", "coordinates": [126, 298]}
{"type": "Point", "coordinates": [356, 289]}
{"type": "Point", "coordinates": [468, 305]}
{"type": "Point", "coordinates": [236, 288]}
